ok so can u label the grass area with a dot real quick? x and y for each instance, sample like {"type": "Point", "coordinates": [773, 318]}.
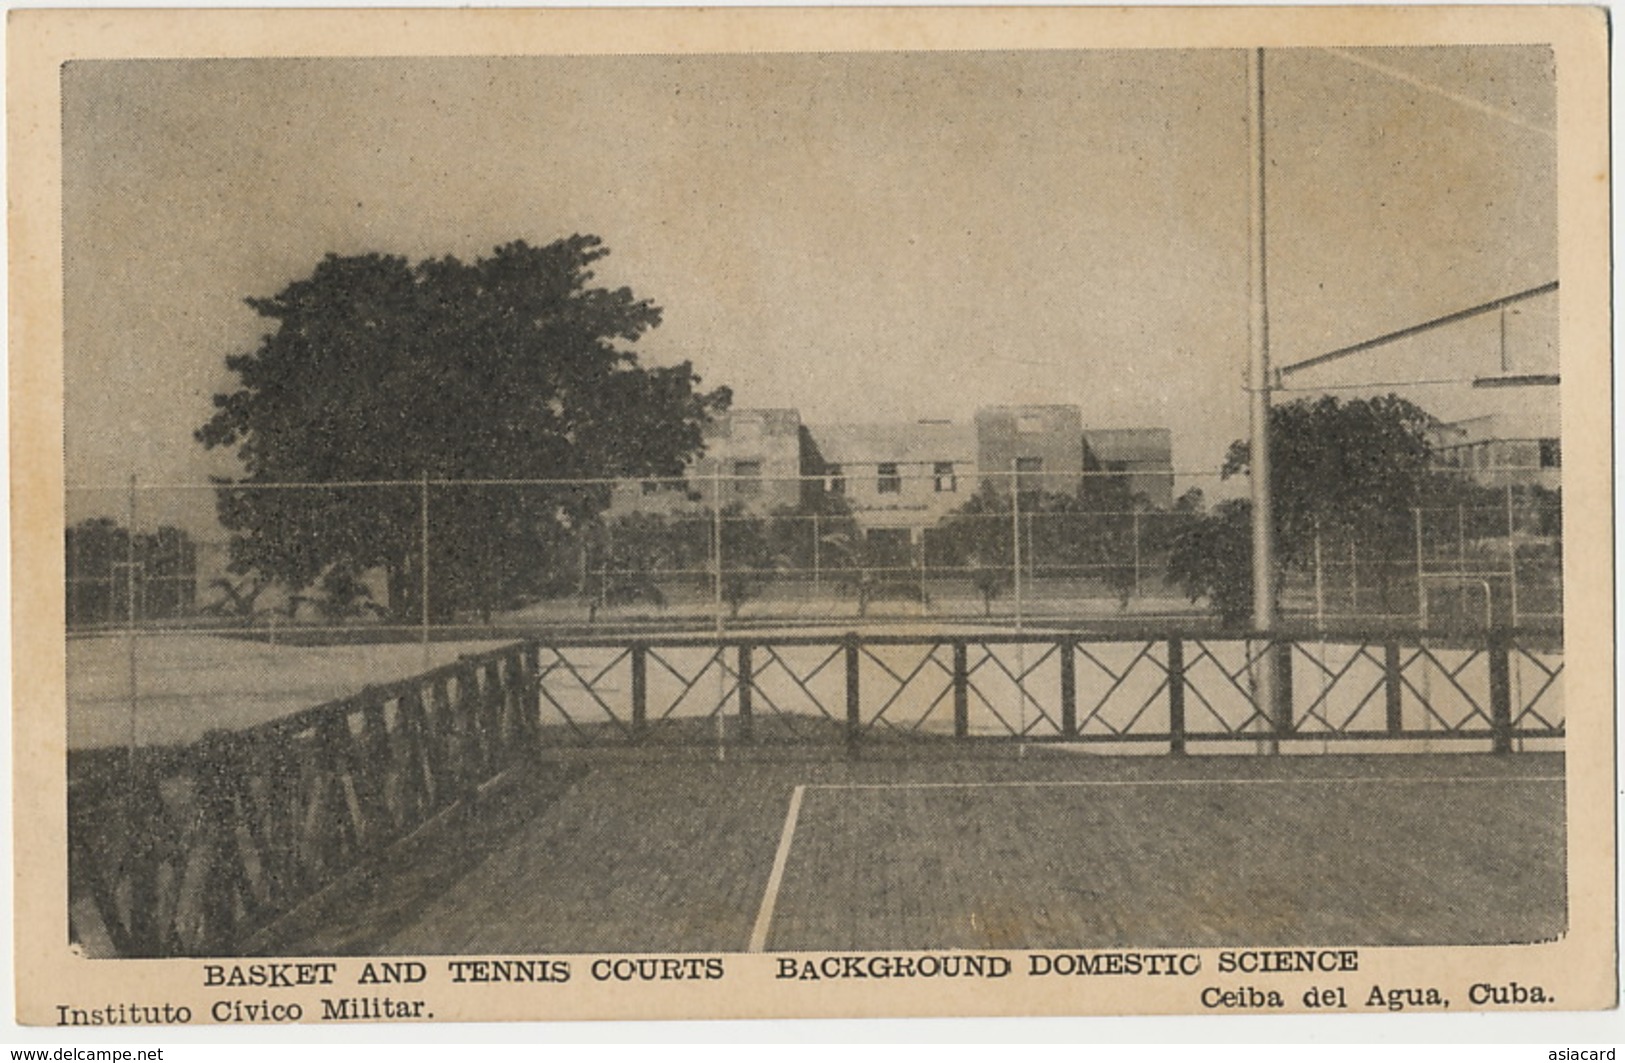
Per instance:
{"type": "Point", "coordinates": [673, 851]}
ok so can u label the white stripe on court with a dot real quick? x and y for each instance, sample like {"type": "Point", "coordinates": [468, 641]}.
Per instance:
{"type": "Point", "coordinates": [1183, 782]}
{"type": "Point", "coordinates": [764, 915]}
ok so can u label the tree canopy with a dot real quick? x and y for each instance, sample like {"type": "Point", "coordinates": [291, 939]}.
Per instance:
{"type": "Point", "coordinates": [1354, 469]}
{"type": "Point", "coordinates": [511, 367]}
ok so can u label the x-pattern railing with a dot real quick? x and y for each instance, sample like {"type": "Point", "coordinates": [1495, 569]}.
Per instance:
{"type": "Point", "coordinates": [1019, 676]}
{"type": "Point", "coordinates": [1452, 676]}
{"type": "Point", "coordinates": [714, 663]}
{"type": "Point", "coordinates": [903, 682]}
{"type": "Point", "coordinates": [1255, 656]}
{"type": "Point", "coordinates": [802, 681]}
{"type": "Point", "coordinates": [587, 685]}
{"type": "Point", "coordinates": [1096, 713]}
{"type": "Point", "coordinates": [1527, 708]}
{"type": "Point", "coordinates": [1331, 681]}
{"type": "Point", "coordinates": [1078, 688]}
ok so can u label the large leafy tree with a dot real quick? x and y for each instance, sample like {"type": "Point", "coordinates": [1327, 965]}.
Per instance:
{"type": "Point", "coordinates": [1352, 469]}
{"type": "Point", "coordinates": [511, 367]}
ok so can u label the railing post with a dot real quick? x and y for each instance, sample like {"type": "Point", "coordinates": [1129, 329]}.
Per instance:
{"type": "Point", "coordinates": [746, 720]}
{"type": "Point", "coordinates": [961, 691]}
{"type": "Point", "coordinates": [1281, 661]}
{"type": "Point", "coordinates": [1069, 689]}
{"type": "Point", "coordinates": [1500, 692]}
{"type": "Point", "coordinates": [1393, 687]}
{"type": "Point", "coordinates": [531, 704]}
{"type": "Point", "coordinates": [640, 690]}
{"type": "Point", "coordinates": [854, 717]}
{"type": "Point", "coordinates": [1176, 696]}
{"type": "Point", "coordinates": [216, 823]}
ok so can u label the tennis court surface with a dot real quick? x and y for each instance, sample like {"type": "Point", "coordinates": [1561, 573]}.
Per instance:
{"type": "Point", "coordinates": [1049, 849]}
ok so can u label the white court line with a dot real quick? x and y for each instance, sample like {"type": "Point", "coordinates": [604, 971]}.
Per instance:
{"type": "Point", "coordinates": [1184, 782]}
{"type": "Point", "coordinates": [764, 915]}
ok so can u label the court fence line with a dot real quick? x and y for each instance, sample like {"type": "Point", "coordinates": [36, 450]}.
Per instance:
{"type": "Point", "coordinates": [729, 551]}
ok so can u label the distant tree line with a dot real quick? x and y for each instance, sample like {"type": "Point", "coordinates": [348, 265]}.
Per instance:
{"type": "Point", "coordinates": [114, 577]}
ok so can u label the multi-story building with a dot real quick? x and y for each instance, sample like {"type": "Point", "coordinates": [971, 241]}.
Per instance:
{"type": "Point", "coordinates": [1502, 449]}
{"type": "Point", "coordinates": [752, 456]}
{"type": "Point", "coordinates": [898, 479]}
{"type": "Point", "coordinates": [1142, 456]}
{"type": "Point", "coordinates": [1042, 446]}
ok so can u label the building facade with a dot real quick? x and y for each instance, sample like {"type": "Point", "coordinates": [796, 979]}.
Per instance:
{"type": "Point", "coordinates": [752, 461]}
{"type": "Point", "coordinates": [1042, 446]}
{"type": "Point", "coordinates": [899, 479]}
{"type": "Point", "coordinates": [1143, 457]}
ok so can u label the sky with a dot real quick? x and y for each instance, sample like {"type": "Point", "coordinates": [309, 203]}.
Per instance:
{"type": "Point", "coordinates": [866, 237]}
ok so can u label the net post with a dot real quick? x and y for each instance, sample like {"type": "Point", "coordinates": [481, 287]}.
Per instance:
{"type": "Point", "coordinates": [1176, 696]}
{"type": "Point", "coordinates": [961, 690]}
{"type": "Point", "coordinates": [746, 719]}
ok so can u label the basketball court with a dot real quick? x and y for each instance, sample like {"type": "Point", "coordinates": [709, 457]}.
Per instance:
{"type": "Point", "coordinates": [1044, 849]}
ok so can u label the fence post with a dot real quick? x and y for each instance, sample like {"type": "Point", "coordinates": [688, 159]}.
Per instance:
{"type": "Point", "coordinates": [1393, 687]}
{"type": "Point", "coordinates": [640, 690]}
{"type": "Point", "coordinates": [215, 765]}
{"type": "Point", "coordinates": [746, 720]}
{"type": "Point", "coordinates": [854, 717]}
{"type": "Point", "coordinates": [1069, 689]}
{"type": "Point", "coordinates": [1281, 660]}
{"type": "Point", "coordinates": [961, 690]}
{"type": "Point", "coordinates": [1176, 696]}
{"type": "Point", "coordinates": [530, 707]}
{"type": "Point", "coordinates": [1500, 692]}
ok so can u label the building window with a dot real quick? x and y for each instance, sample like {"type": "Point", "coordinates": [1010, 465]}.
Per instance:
{"type": "Point", "coordinates": [889, 481]}
{"type": "Point", "coordinates": [834, 480]}
{"type": "Point", "coordinates": [1551, 453]}
{"type": "Point", "coordinates": [942, 477]}
{"type": "Point", "coordinates": [747, 477]}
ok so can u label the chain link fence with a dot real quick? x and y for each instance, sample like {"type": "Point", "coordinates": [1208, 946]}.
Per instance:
{"type": "Point", "coordinates": [727, 552]}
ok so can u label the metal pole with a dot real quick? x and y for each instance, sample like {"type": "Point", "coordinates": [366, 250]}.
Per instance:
{"type": "Point", "coordinates": [1512, 560]}
{"type": "Point", "coordinates": [1259, 364]}
{"type": "Point", "coordinates": [130, 604]}
{"type": "Point", "coordinates": [1354, 581]}
{"type": "Point", "coordinates": [423, 567]}
{"type": "Point", "coordinates": [1320, 587]}
{"type": "Point", "coordinates": [1258, 386]}
{"type": "Point", "coordinates": [716, 554]}
{"type": "Point", "coordinates": [1021, 657]}
{"type": "Point", "coordinates": [716, 544]}
{"type": "Point", "coordinates": [1015, 538]}
{"type": "Point", "coordinates": [816, 590]}
{"type": "Point", "coordinates": [1461, 540]}
{"type": "Point", "coordinates": [922, 571]}
{"type": "Point", "coordinates": [1136, 553]}
{"type": "Point", "coordinates": [1421, 575]}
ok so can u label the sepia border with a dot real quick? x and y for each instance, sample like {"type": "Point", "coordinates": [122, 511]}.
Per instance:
{"type": "Point", "coordinates": [1579, 969]}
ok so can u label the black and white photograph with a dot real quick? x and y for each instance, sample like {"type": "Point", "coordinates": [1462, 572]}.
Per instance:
{"type": "Point", "coordinates": [933, 528]}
